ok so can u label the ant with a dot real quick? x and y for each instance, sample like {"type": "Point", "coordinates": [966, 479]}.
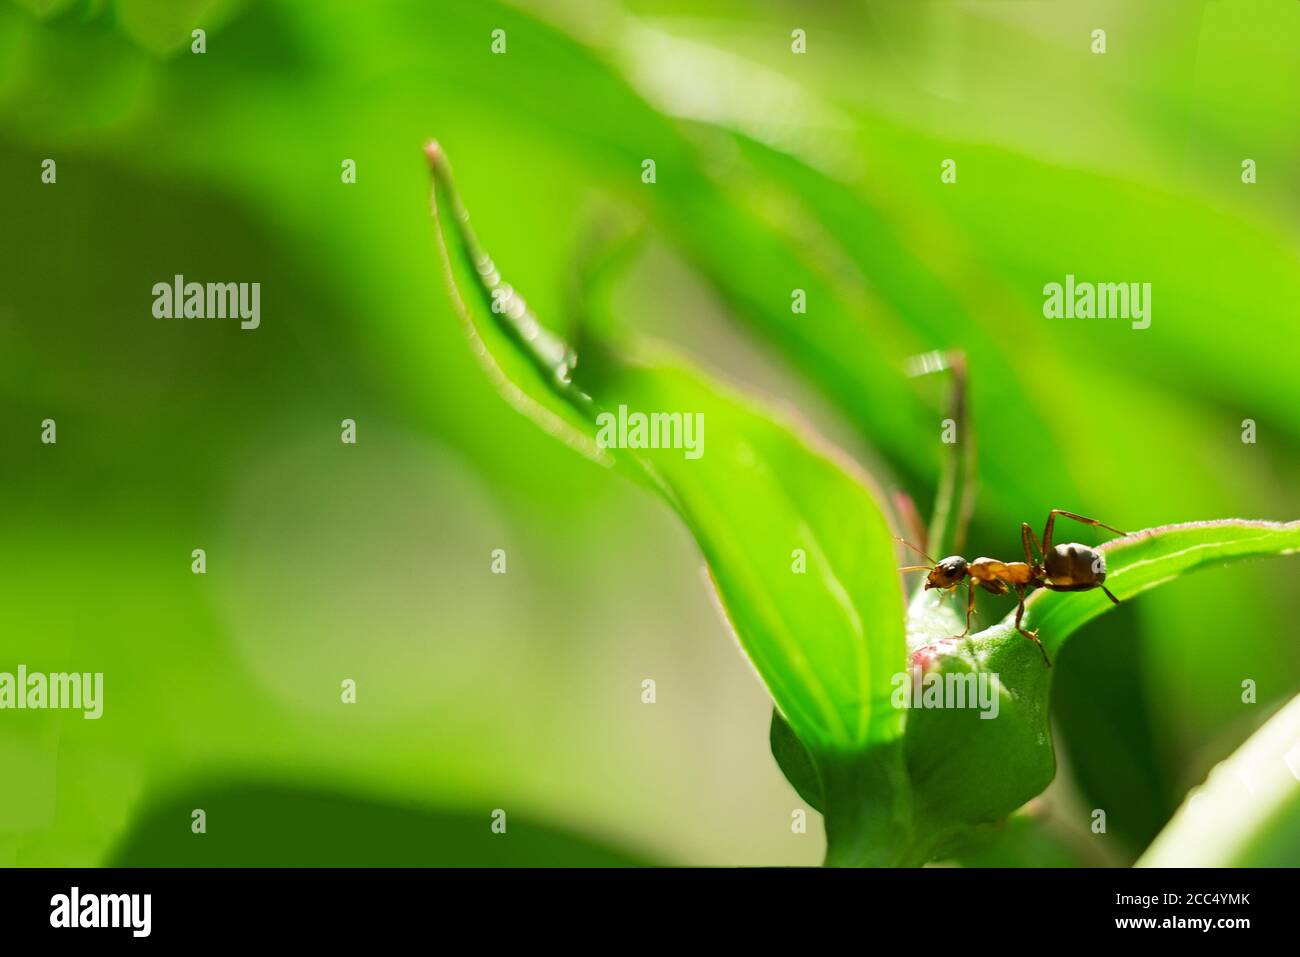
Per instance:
{"type": "Point", "coordinates": [1071, 567]}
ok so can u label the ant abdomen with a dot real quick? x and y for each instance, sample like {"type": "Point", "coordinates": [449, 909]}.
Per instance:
{"type": "Point", "coordinates": [1074, 567]}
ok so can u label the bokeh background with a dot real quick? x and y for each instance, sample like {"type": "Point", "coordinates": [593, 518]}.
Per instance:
{"type": "Point", "coordinates": [372, 562]}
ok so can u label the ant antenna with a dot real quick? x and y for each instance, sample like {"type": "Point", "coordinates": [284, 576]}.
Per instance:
{"type": "Point", "coordinates": [903, 541]}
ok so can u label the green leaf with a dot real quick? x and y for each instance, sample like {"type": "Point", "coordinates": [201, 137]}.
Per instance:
{"type": "Point", "coordinates": [796, 543]}
{"type": "Point", "coordinates": [1112, 740]}
{"type": "Point", "coordinates": [795, 762]}
{"type": "Point", "coordinates": [1030, 838]}
{"type": "Point", "coordinates": [272, 824]}
{"type": "Point", "coordinates": [1247, 813]}
{"type": "Point", "coordinates": [868, 277]}
{"type": "Point", "coordinates": [967, 771]}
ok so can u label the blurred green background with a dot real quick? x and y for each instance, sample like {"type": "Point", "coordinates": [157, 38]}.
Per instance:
{"type": "Point", "coordinates": [372, 562]}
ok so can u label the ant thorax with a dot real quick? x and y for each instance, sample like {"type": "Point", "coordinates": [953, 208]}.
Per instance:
{"type": "Point", "coordinates": [996, 575]}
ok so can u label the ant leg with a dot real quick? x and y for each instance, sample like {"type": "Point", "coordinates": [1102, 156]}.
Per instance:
{"type": "Point", "coordinates": [1051, 519]}
{"type": "Point", "coordinates": [1028, 538]}
{"type": "Point", "coordinates": [970, 604]}
{"type": "Point", "coordinates": [1108, 594]}
{"type": "Point", "coordinates": [1031, 635]}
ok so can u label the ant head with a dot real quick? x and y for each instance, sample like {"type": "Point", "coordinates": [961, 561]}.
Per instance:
{"type": "Point", "coordinates": [946, 573]}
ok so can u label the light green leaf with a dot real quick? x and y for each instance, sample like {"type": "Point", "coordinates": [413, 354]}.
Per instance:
{"type": "Point", "coordinates": [793, 535]}
{"type": "Point", "coordinates": [1247, 813]}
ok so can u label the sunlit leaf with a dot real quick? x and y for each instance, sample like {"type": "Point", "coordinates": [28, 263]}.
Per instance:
{"type": "Point", "coordinates": [793, 535]}
{"type": "Point", "coordinates": [1247, 813]}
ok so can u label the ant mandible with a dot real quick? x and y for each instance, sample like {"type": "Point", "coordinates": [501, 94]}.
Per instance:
{"type": "Point", "coordinates": [1071, 567]}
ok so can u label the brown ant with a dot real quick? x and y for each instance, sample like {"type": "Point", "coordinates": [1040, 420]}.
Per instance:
{"type": "Point", "coordinates": [1071, 567]}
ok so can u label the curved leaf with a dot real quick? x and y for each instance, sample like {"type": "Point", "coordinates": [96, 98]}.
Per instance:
{"type": "Point", "coordinates": [797, 545]}
{"type": "Point", "coordinates": [795, 763]}
{"type": "Point", "coordinates": [1247, 813]}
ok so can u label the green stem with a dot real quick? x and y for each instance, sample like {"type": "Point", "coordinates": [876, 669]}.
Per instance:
{"type": "Point", "coordinates": [868, 810]}
{"type": "Point", "coordinates": [954, 503]}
